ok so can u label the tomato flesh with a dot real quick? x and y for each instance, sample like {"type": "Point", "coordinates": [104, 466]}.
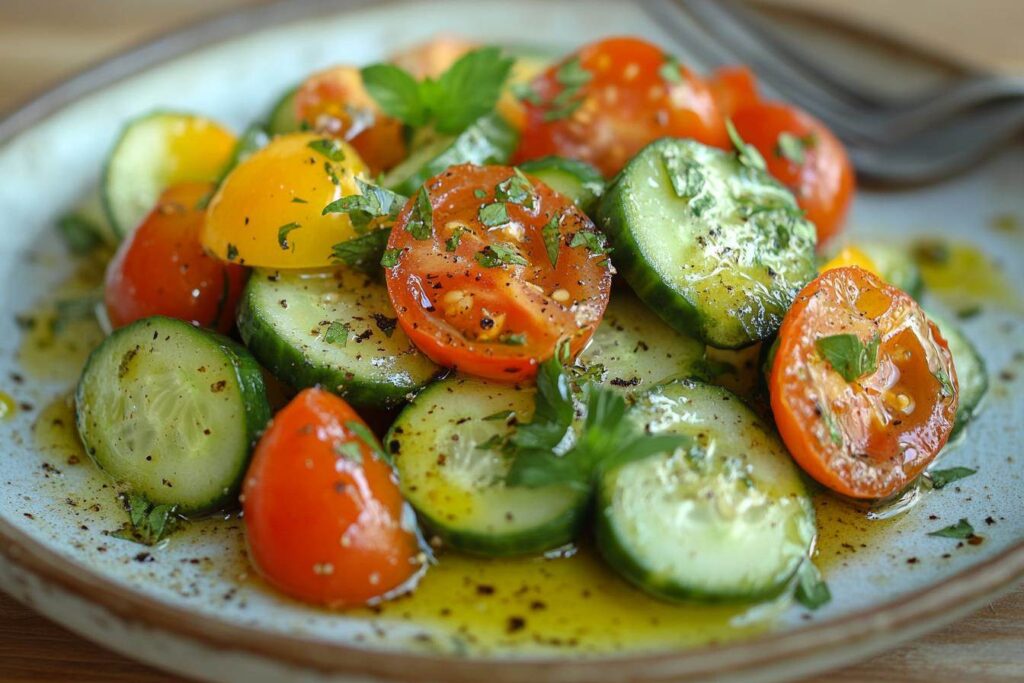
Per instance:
{"type": "Point", "coordinates": [324, 517]}
{"type": "Point", "coordinates": [870, 437]}
{"type": "Point", "coordinates": [633, 94]}
{"type": "Point", "coordinates": [162, 269]}
{"type": "Point", "coordinates": [495, 320]}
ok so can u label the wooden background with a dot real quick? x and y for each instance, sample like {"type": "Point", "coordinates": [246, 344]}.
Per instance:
{"type": "Point", "coordinates": [43, 41]}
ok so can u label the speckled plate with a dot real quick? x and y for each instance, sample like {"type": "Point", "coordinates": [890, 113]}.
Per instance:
{"type": "Point", "coordinates": [191, 606]}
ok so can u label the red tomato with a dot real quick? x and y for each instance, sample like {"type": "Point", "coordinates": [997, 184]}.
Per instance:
{"type": "Point", "coordinates": [610, 99]}
{"type": "Point", "coordinates": [336, 103]}
{"type": "Point", "coordinates": [869, 432]}
{"type": "Point", "coordinates": [161, 268]}
{"type": "Point", "coordinates": [733, 87]}
{"type": "Point", "coordinates": [324, 517]}
{"type": "Point", "coordinates": [478, 291]}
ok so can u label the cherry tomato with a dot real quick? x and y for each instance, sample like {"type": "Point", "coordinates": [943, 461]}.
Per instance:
{"type": "Point", "coordinates": [336, 103]}
{"type": "Point", "coordinates": [324, 517]}
{"type": "Point", "coordinates": [733, 88]}
{"type": "Point", "coordinates": [869, 436]}
{"type": "Point", "coordinates": [476, 290]}
{"type": "Point", "coordinates": [268, 212]}
{"type": "Point", "coordinates": [161, 268]}
{"type": "Point", "coordinates": [610, 99]}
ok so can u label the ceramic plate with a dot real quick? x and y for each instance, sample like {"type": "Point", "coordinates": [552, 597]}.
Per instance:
{"type": "Point", "coordinates": [191, 605]}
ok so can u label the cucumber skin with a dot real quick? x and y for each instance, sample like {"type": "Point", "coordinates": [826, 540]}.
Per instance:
{"type": "Point", "coordinates": [488, 140]}
{"type": "Point", "coordinates": [972, 376]}
{"type": "Point", "coordinates": [588, 180]}
{"type": "Point", "coordinates": [292, 367]}
{"type": "Point", "coordinates": [281, 118]}
{"type": "Point", "coordinates": [249, 377]}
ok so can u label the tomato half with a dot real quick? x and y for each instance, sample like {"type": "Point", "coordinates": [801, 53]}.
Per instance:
{"type": "Point", "coordinates": [610, 99]}
{"type": "Point", "coordinates": [866, 437]}
{"type": "Point", "coordinates": [476, 290]}
{"type": "Point", "coordinates": [324, 517]}
{"type": "Point", "coordinates": [162, 269]}
{"type": "Point", "coordinates": [336, 103]}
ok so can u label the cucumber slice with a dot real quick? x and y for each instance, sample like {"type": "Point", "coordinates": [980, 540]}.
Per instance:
{"type": "Point", "coordinates": [154, 152]}
{"type": "Point", "coordinates": [334, 328]}
{"type": "Point", "coordinates": [971, 373]}
{"type": "Point", "coordinates": [490, 140]}
{"type": "Point", "coordinates": [896, 266]}
{"type": "Point", "coordinates": [282, 118]}
{"type": "Point", "coordinates": [728, 520]}
{"type": "Point", "coordinates": [172, 411]}
{"type": "Point", "coordinates": [455, 482]}
{"type": "Point", "coordinates": [633, 349]}
{"type": "Point", "coordinates": [723, 264]}
{"type": "Point", "coordinates": [577, 180]}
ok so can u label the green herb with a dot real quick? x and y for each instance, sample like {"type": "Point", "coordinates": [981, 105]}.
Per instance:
{"type": "Point", "coordinates": [500, 415]}
{"type": "Point", "coordinates": [466, 91]}
{"type": "Point", "coordinates": [746, 154]}
{"type": "Point", "coordinates": [479, 194]}
{"type": "Point", "coordinates": [848, 356]}
{"type": "Point", "coordinates": [834, 433]}
{"type": "Point", "coordinates": [389, 259]}
{"type": "Point", "coordinates": [794, 147]}
{"type": "Point", "coordinates": [513, 339]}
{"type": "Point", "coordinates": [331, 173]}
{"type": "Point", "coordinates": [593, 241]}
{"type": "Point", "coordinates": [452, 243]}
{"type": "Point", "coordinates": [421, 220]}
{"type": "Point", "coordinates": [811, 590]}
{"type": "Point", "coordinates": [147, 524]}
{"type": "Point", "coordinates": [571, 74]}
{"type": "Point", "coordinates": [373, 207]}
{"type": "Point", "coordinates": [364, 252]}
{"type": "Point", "coordinates": [499, 254]}
{"type": "Point", "coordinates": [203, 202]}
{"type": "Point", "coordinates": [493, 215]}
{"type": "Point", "coordinates": [299, 200]}
{"type": "Point", "coordinates": [329, 148]}
{"type": "Point", "coordinates": [367, 437]}
{"type": "Point", "coordinates": [525, 92]}
{"type": "Point", "coordinates": [961, 529]}
{"type": "Point", "coordinates": [940, 478]}
{"type": "Point", "coordinates": [282, 235]}
{"type": "Point", "coordinates": [496, 442]}
{"type": "Point", "coordinates": [686, 178]}
{"type": "Point", "coordinates": [232, 252]}
{"type": "Point", "coordinates": [572, 77]}
{"type": "Point", "coordinates": [669, 70]}
{"type": "Point", "coordinates": [517, 189]}
{"type": "Point", "coordinates": [945, 383]}
{"type": "Point", "coordinates": [80, 234]}
{"type": "Point", "coordinates": [337, 333]}
{"type": "Point", "coordinates": [552, 238]}
{"type": "Point", "coordinates": [350, 450]}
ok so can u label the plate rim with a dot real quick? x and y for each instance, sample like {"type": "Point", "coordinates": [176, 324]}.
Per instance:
{"type": "Point", "coordinates": [873, 629]}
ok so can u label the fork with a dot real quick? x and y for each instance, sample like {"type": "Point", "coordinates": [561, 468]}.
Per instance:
{"type": "Point", "coordinates": [895, 143]}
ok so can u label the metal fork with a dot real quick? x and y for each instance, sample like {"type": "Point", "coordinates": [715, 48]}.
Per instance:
{"type": "Point", "coordinates": [903, 143]}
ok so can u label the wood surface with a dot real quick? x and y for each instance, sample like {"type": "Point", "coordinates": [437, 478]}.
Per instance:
{"type": "Point", "coordinates": [43, 41]}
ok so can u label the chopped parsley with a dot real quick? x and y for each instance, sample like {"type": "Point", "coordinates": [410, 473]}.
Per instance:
{"type": "Point", "coordinates": [364, 252]}
{"type": "Point", "coordinates": [941, 478]}
{"type": "Point", "coordinates": [746, 153]}
{"type": "Point", "coordinates": [848, 355]}
{"type": "Point", "coordinates": [479, 193]}
{"type": "Point", "coordinates": [945, 383]}
{"type": "Point", "coordinates": [961, 530]}
{"type": "Point", "coordinates": [572, 77]}
{"type": "Point", "coordinates": [793, 147]}
{"type": "Point", "coordinates": [421, 220]}
{"type": "Point", "coordinates": [331, 173]}
{"type": "Point", "coordinates": [337, 333]}
{"type": "Point", "coordinates": [390, 257]}
{"type": "Point", "coordinates": [552, 238]}
{"type": "Point", "coordinates": [282, 235]}
{"type": "Point", "coordinates": [452, 243]}
{"type": "Point", "coordinates": [517, 189]}
{"type": "Point", "coordinates": [593, 241]}
{"type": "Point", "coordinates": [329, 148]}
{"type": "Point", "coordinates": [374, 206]}
{"type": "Point", "coordinates": [499, 254]}
{"type": "Point", "coordinates": [493, 215]}
{"type": "Point", "coordinates": [147, 524]}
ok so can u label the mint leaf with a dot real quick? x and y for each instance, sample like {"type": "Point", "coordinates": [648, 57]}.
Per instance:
{"type": "Point", "coordinates": [374, 206]}
{"type": "Point", "coordinates": [396, 92]}
{"type": "Point", "coordinates": [945, 384]}
{"type": "Point", "coordinates": [593, 241]}
{"type": "Point", "coordinates": [499, 254]}
{"type": "Point", "coordinates": [535, 469]}
{"type": "Point", "coordinates": [669, 70]}
{"type": "Point", "coordinates": [367, 437]}
{"type": "Point", "coordinates": [848, 356]}
{"type": "Point", "coordinates": [517, 189]}
{"type": "Point", "coordinates": [282, 235]}
{"type": "Point", "coordinates": [961, 529]}
{"type": "Point", "coordinates": [552, 238]}
{"type": "Point", "coordinates": [147, 524]}
{"type": "Point", "coordinates": [470, 88]}
{"type": "Point", "coordinates": [329, 148]}
{"type": "Point", "coordinates": [792, 147]}
{"type": "Point", "coordinates": [421, 220]}
{"type": "Point", "coordinates": [337, 333]}
{"type": "Point", "coordinates": [452, 243]}
{"type": "Point", "coordinates": [493, 215]}
{"type": "Point", "coordinates": [746, 154]}
{"type": "Point", "coordinates": [390, 257]}
{"type": "Point", "coordinates": [940, 478]}
{"type": "Point", "coordinates": [363, 253]}
{"type": "Point", "coordinates": [572, 77]}
{"type": "Point", "coordinates": [811, 590]}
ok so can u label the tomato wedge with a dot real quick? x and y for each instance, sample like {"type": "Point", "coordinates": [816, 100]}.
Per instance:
{"type": "Point", "coordinates": [863, 386]}
{"type": "Point", "coordinates": [610, 99]}
{"type": "Point", "coordinates": [324, 518]}
{"type": "Point", "coordinates": [491, 270]}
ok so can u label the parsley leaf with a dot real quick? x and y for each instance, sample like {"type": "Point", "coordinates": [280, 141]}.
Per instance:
{"type": "Point", "coordinates": [364, 252]}
{"type": "Point", "coordinates": [367, 437]}
{"type": "Point", "coordinates": [493, 215]}
{"type": "Point", "coordinates": [811, 590]}
{"type": "Point", "coordinates": [686, 178]}
{"type": "Point", "coordinates": [945, 383]}
{"type": "Point", "coordinates": [389, 259]}
{"type": "Point", "coordinates": [746, 154]}
{"type": "Point", "coordinates": [517, 189]}
{"type": "Point", "coordinates": [552, 238]}
{"type": "Point", "coordinates": [350, 450]}
{"type": "Point", "coordinates": [373, 206]}
{"type": "Point", "coordinates": [499, 254]}
{"type": "Point", "coordinates": [940, 478]}
{"type": "Point", "coordinates": [337, 333]}
{"type": "Point", "coordinates": [329, 148]}
{"type": "Point", "coordinates": [669, 70]}
{"type": "Point", "coordinates": [282, 235]}
{"type": "Point", "coordinates": [148, 524]}
{"type": "Point", "coordinates": [572, 77]}
{"type": "Point", "coordinates": [848, 355]}
{"type": "Point", "coordinates": [479, 193]}
{"type": "Point", "coordinates": [452, 243]}
{"type": "Point", "coordinates": [793, 147]}
{"type": "Point", "coordinates": [593, 241]}
{"type": "Point", "coordinates": [421, 220]}
{"type": "Point", "coordinates": [331, 173]}
{"type": "Point", "coordinates": [961, 529]}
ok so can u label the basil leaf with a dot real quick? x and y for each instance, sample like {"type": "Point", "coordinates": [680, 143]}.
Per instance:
{"type": "Point", "coordinates": [848, 356]}
{"type": "Point", "coordinates": [940, 478]}
{"type": "Point", "coordinates": [961, 530]}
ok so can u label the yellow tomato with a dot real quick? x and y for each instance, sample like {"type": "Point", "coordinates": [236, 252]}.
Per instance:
{"type": "Point", "coordinates": [268, 211]}
{"type": "Point", "coordinates": [851, 256]}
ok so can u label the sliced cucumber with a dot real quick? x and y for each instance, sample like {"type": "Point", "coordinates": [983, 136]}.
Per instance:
{"type": "Point", "coordinates": [633, 349]}
{"type": "Point", "coordinates": [456, 482]}
{"type": "Point", "coordinates": [154, 152]}
{"type": "Point", "coordinates": [971, 373]}
{"type": "Point", "coordinates": [577, 180]}
{"type": "Point", "coordinates": [490, 140]}
{"type": "Point", "coordinates": [282, 117]}
{"type": "Point", "coordinates": [896, 266]}
{"type": "Point", "coordinates": [335, 328]}
{"type": "Point", "coordinates": [717, 249]}
{"type": "Point", "coordinates": [726, 520]}
{"type": "Point", "coordinates": [171, 411]}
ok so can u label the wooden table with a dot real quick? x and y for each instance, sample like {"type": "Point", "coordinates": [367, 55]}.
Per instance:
{"type": "Point", "coordinates": [41, 42]}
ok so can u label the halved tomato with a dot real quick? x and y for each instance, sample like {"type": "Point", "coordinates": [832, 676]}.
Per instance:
{"type": "Point", "coordinates": [863, 386]}
{"type": "Point", "coordinates": [489, 271]}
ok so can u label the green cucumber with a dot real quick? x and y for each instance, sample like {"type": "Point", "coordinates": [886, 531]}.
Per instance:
{"type": "Point", "coordinates": [490, 140]}
{"type": "Point", "coordinates": [971, 373]}
{"type": "Point", "coordinates": [171, 411]}
{"type": "Point", "coordinates": [282, 118]}
{"type": "Point", "coordinates": [577, 180]}
{"type": "Point", "coordinates": [335, 328]}
{"type": "Point", "coordinates": [454, 478]}
{"type": "Point", "coordinates": [718, 249]}
{"type": "Point", "coordinates": [726, 520]}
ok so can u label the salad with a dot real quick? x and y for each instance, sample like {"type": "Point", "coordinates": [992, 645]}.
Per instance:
{"type": "Point", "coordinates": [474, 302]}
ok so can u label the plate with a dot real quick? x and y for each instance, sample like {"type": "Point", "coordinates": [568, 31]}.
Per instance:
{"type": "Point", "coordinates": [192, 607]}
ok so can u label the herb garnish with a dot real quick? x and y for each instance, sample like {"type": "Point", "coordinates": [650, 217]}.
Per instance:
{"type": "Point", "coordinates": [367, 437]}
{"type": "Point", "coordinates": [552, 238]}
{"type": "Point", "coordinates": [594, 242]}
{"type": "Point", "coordinates": [945, 383]}
{"type": "Point", "coordinates": [452, 243]}
{"type": "Point", "coordinates": [793, 147]}
{"type": "Point", "coordinates": [811, 590]}
{"type": "Point", "coordinates": [669, 70]}
{"type": "Point", "coordinates": [493, 215]}
{"type": "Point", "coordinates": [389, 259]}
{"type": "Point", "coordinates": [572, 77]}
{"type": "Point", "coordinates": [364, 252]}
{"type": "Point", "coordinates": [80, 234]}
{"type": "Point", "coordinates": [147, 523]}
{"type": "Point", "coordinates": [337, 333]}
{"type": "Point", "coordinates": [848, 356]}
{"type": "Point", "coordinates": [329, 148]}
{"type": "Point", "coordinates": [421, 221]}
{"type": "Point", "coordinates": [500, 415]}
{"type": "Point", "coordinates": [940, 478]}
{"type": "Point", "coordinates": [373, 207]}
{"type": "Point", "coordinates": [961, 529]}
{"type": "Point", "coordinates": [232, 252]}
{"type": "Point", "coordinates": [746, 153]}
{"type": "Point", "coordinates": [282, 235]}
{"type": "Point", "coordinates": [499, 254]}
{"type": "Point", "coordinates": [331, 173]}
{"type": "Point", "coordinates": [517, 189]}
{"type": "Point", "coordinates": [349, 450]}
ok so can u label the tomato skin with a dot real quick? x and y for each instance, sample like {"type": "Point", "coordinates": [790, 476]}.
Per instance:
{"type": "Point", "coordinates": [320, 526]}
{"type": "Point", "coordinates": [494, 322]}
{"type": "Point", "coordinates": [871, 437]}
{"type": "Point", "coordinates": [162, 269]}
{"type": "Point", "coordinates": [335, 102]}
{"type": "Point", "coordinates": [626, 104]}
